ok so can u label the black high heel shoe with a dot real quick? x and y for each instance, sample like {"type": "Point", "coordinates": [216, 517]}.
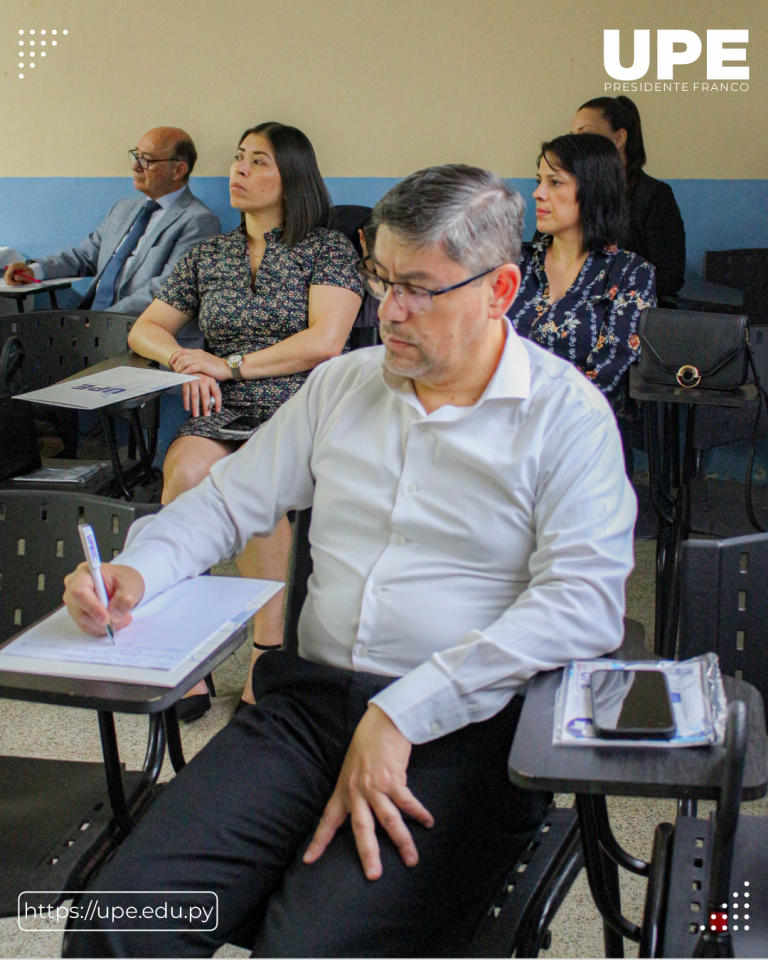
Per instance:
{"type": "Point", "coordinates": [194, 707]}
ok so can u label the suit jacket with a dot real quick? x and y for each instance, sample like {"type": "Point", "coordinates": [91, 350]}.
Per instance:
{"type": "Point", "coordinates": [185, 224]}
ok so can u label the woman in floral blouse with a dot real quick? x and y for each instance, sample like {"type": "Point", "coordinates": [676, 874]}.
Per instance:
{"type": "Point", "coordinates": [581, 296]}
{"type": "Point", "coordinates": [274, 298]}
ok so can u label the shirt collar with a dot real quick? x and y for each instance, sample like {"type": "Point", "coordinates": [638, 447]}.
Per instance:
{"type": "Point", "coordinates": [511, 380]}
{"type": "Point", "coordinates": [168, 199]}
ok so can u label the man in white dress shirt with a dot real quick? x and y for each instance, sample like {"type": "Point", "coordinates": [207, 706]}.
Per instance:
{"type": "Point", "coordinates": [472, 525]}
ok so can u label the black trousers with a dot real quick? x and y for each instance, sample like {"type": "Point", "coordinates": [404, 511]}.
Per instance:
{"type": "Point", "coordinates": [238, 817]}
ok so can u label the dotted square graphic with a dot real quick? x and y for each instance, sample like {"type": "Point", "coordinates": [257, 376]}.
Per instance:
{"type": "Point", "coordinates": [32, 43]}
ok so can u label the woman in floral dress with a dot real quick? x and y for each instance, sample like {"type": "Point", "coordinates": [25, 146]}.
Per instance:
{"type": "Point", "coordinates": [274, 298]}
{"type": "Point", "coordinates": [581, 296]}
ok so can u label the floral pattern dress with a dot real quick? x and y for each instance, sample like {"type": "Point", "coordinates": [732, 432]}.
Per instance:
{"type": "Point", "coordinates": [594, 324]}
{"type": "Point", "coordinates": [237, 315]}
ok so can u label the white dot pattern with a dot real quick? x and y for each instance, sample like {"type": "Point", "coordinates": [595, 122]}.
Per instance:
{"type": "Point", "coordinates": [42, 43]}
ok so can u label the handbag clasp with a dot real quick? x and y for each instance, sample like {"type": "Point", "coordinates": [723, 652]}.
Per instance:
{"type": "Point", "coordinates": [688, 376]}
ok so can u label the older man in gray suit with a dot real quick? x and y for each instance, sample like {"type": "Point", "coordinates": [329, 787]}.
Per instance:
{"type": "Point", "coordinates": [134, 249]}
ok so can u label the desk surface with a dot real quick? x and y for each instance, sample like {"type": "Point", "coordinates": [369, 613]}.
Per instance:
{"type": "Point", "coordinates": [702, 291]}
{"type": "Point", "coordinates": [126, 359]}
{"type": "Point", "coordinates": [25, 289]}
{"type": "Point", "coordinates": [680, 773]}
{"type": "Point", "coordinates": [107, 695]}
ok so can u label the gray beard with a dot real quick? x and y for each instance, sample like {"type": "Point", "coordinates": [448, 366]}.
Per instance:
{"type": "Point", "coordinates": [407, 368]}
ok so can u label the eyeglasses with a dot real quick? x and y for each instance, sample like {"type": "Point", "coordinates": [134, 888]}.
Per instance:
{"type": "Point", "coordinates": [411, 297]}
{"type": "Point", "coordinates": [146, 163]}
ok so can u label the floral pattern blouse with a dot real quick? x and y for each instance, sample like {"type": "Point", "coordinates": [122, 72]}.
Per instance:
{"type": "Point", "coordinates": [594, 324]}
{"type": "Point", "coordinates": [237, 315]}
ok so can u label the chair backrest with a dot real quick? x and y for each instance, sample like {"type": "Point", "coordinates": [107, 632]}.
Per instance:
{"type": "Point", "coordinates": [724, 605]}
{"type": "Point", "coordinates": [60, 343]}
{"type": "Point", "coordinates": [39, 546]}
{"type": "Point", "coordinates": [728, 806]}
{"type": "Point", "coordinates": [746, 270]}
{"type": "Point", "coordinates": [348, 218]}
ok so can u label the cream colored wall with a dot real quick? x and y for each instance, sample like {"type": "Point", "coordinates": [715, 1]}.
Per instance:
{"type": "Point", "coordinates": [380, 88]}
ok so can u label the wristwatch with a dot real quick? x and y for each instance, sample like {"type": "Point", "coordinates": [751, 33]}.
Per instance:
{"type": "Point", "coordinates": [233, 362]}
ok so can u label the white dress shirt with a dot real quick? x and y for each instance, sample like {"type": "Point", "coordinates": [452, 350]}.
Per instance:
{"type": "Point", "coordinates": [166, 202]}
{"type": "Point", "coordinates": [462, 551]}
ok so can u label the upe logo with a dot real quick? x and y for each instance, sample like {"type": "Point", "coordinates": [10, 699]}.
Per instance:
{"type": "Point", "coordinates": [677, 47]}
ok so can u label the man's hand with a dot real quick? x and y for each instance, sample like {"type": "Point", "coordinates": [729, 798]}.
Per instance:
{"type": "Point", "coordinates": [124, 586]}
{"type": "Point", "coordinates": [17, 274]}
{"type": "Point", "coordinates": [373, 781]}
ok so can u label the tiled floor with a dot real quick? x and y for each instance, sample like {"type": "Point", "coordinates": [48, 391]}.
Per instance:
{"type": "Point", "coordinates": [59, 732]}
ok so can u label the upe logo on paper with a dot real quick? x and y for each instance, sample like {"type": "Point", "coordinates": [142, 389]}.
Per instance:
{"type": "Point", "coordinates": [678, 48]}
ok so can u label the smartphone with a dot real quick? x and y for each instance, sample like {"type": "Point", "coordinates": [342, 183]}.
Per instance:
{"type": "Point", "coordinates": [239, 429]}
{"type": "Point", "coordinates": [632, 705]}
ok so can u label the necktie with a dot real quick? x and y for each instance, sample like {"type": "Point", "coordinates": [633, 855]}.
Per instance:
{"type": "Point", "coordinates": [105, 290]}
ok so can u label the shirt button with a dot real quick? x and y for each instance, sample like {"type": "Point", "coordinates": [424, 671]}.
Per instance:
{"type": "Point", "coordinates": [359, 650]}
{"type": "Point", "coordinates": [375, 591]}
{"type": "Point", "coordinates": [423, 427]}
{"type": "Point", "coordinates": [399, 539]}
{"type": "Point", "coordinates": [434, 728]}
{"type": "Point", "coordinates": [410, 487]}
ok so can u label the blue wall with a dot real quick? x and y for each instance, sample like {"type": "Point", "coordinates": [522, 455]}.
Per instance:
{"type": "Point", "coordinates": [39, 215]}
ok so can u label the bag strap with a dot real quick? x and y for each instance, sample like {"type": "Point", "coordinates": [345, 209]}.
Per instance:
{"type": "Point", "coordinates": [11, 358]}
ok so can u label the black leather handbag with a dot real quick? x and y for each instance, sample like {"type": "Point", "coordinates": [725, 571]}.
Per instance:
{"type": "Point", "coordinates": [684, 348]}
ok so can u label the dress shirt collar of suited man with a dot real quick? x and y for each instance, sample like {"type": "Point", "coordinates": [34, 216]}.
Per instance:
{"type": "Point", "coordinates": [166, 172]}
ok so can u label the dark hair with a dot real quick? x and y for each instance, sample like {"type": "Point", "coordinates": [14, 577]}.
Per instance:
{"type": "Point", "coordinates": [307, 204]}
{"type": "Point", "coordinates": [185, 150]}
{"type": "Point", "coordinates": [601, 189]}
{"type": "Point", "coordinates": [622, 114]}
{"type": "Point", "coordinates": [369, 232]}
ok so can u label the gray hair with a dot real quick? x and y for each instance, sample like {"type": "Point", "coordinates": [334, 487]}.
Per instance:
{"type": "Point", "coordinates": [469, 212]}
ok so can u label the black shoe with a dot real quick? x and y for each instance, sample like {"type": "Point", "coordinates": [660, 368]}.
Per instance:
{"type": "Point", "coordinates": [194, 707]}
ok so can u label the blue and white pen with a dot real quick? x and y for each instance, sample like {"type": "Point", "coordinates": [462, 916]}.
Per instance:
{"type": "Point", "coordinates": [92, 558]}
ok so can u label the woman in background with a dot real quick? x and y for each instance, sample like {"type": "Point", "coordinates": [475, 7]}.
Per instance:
{"type": "Point", "coordinates": [274, 298]}
{"type": "Point", "coordinates": [581, 296]}
{"type": "Point", "coordinates": [655, 229]}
